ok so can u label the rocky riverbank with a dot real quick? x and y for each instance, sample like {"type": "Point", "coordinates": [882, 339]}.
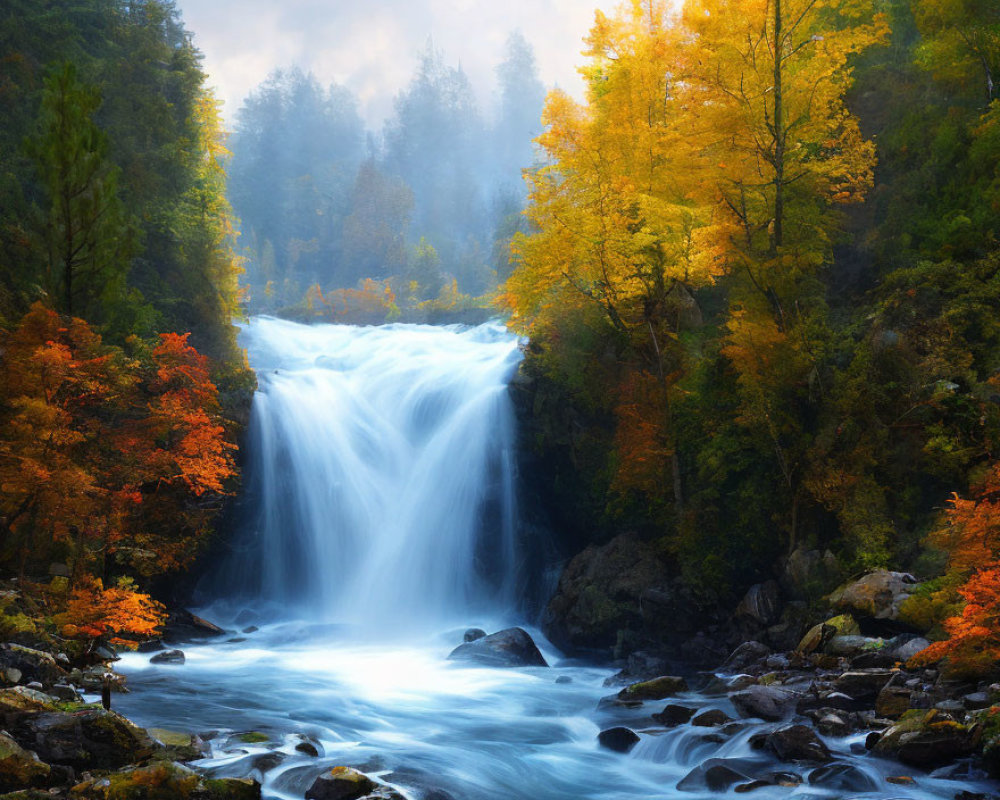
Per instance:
{"type": "Point", "coordinates": [847, 675]}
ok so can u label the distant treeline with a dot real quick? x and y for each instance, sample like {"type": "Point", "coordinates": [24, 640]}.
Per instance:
{"type": "Point", "coordinates": [429, 204]}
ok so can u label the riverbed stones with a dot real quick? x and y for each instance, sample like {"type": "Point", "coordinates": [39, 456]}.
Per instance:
{"type": "Point", "coordinates": [715, 775]}
{"type": "Point", "coordinates": [842, 777]}
{"type": "Point", "coordinates": [925, 739]}
{"type": "Point", "coordinates": [770, 703]}
{"type": "Point", "coordinates": [863, 684]}
{"type": "Point", "coordinates": [472, 634]}
{"type": "Point", "coordinates": [168, 657]}
{"type": "Point", "coordinates": [341, 783]}
{"type": "Point", "coordinates": [91, 738]}
{"type": "Point", "coordinates": [797, 743]}
{"type": "Point", "coordinates": [618, 739]}
{"type": "Point", "coordinates": [19, 768]}
{"type": "Point", "coordinates": [746, 654]}
{"type": "Point", "coordinates": [893, 701]}
{"type": "Point", "coordinates": [656, 689]}
{"type": "Point", "coordinates": [674, 715]}
{"type": "Point", "coordinates": [711, 718]}
{"type": "Point", "coordinates": [512, 647]}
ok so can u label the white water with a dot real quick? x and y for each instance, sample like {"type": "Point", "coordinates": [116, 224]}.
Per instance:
{"type": "Point", "coordinates": [383, 514]}
{"type": "Point", "coordinates": [382, 471]}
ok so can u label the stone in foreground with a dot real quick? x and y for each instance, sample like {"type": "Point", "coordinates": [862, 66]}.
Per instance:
{"type": "Point", "coordinates": [621, 740]}
{"type": "Point", "coordinates": [512, 647]}
{"type": "Point", "coordinates": [657, 689]}
{"type": "Point", "coordinates": [341, 783]}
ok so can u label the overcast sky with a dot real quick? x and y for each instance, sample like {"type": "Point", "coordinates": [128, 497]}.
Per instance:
{"type": "Point", "coordinates": [371, 45]}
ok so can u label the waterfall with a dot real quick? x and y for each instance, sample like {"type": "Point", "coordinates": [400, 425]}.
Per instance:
{"type": "Point", "coordinates": [380, 472]}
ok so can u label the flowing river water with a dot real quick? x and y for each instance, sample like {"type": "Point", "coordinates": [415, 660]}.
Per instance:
{"type": "Point", "coordinates": [380, 521]}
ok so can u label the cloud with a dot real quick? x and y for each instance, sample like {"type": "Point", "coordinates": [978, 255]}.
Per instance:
{"type": "Point", "coordinates": [371, 46]}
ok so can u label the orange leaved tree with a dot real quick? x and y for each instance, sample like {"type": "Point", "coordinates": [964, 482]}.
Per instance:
{"type": "Point", "coordinates": [971, 536]}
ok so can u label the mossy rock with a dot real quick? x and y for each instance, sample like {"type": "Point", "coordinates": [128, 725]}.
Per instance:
{"type": "Point", "coordinates": [656, 689]}
{"type": "Point", "coordinates": [177, 746]}
{"type": "Point", "coordinates": [252, 737]}
{"type": "Point", "coordinates": [22, 700]}
{"type": "Point", "coordinates": [844, 625]}
{"type": "Point", "coordinates": [19, 768]}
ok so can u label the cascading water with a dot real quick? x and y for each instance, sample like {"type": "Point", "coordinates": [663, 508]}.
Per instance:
{"type": "Point", "coordinates": [381, 492]}
{"type": "Point", "coordinates": [382, 471]}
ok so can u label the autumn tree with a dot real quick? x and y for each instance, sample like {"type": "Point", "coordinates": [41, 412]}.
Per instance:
{"type": "Point", "coordinates": [114, 464]}
{"type": "Point", "coordinates": [615, 223]}
{"type": "Point", "coordinates": [766, 82]}
{"type": "Point", "coordinates": [962, 39]}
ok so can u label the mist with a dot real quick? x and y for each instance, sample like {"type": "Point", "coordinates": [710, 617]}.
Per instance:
{"type": "Point", "coordinates": [418, 211]}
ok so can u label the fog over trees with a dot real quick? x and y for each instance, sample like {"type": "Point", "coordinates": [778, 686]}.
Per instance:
{"type": "Point", "coordinates": [427, 204]}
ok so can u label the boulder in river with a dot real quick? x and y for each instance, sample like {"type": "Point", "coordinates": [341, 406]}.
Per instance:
{"type": "Point", "coordinates": [183, 626]}
{"type": "Point", "coordinates": [620, 739]}
{"type": "Point", "coordinates": [674, 715]}
{"type": "Point", "coordinates": [745, 655]}
{"type": "Point", "coordinates": [656, 689]}
{"type": "Point", "coordinates": [341, 783]}
{"type": "Point", "coordinates": [842, 777]}
{"type": "Point", "coordinates": [512, 647]}
{"type": "Point", "coordinates": [925, 739]}
{"type": "Point", "coordinates": [716, 775]}
{"type": "Point", "coordinates": [472, 634]}
{"type": "Point", "coordinates": [168, 657]}
{"type": "Point", "coordinates": [797, 743]}
{"type": "Point", "coordinates": [770, 703]}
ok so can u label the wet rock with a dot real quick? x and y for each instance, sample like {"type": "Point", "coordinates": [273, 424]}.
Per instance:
{"type": "Point", "coordinates": [841, 777]}
{"type": "Point", "coordinates": [877, 595]}
{"type": "Point", "coordinates": [92, 738]}
{"type": "Point", "coordinates": [472, 634]}
{"type": "Point", "coordinates": [656, 689]}
{"type": "Point", "coordinates": [851, 645]}
{"type": "Point", "coordinates": [640, 666]}
{"type": "Point", "coordinates": [746, 654]}
{"type": "Point", "coordinates": [893, 702]}
{"type": "Point", "coordinates": [715, 775]}
{"type": "Point", "coordinates": [976, 701]}
{"type": "Point", "coordinates": [512, 647]}
{"type": "Point", "coordinates": [601, 593]}
{"type": "Point", "coordinates": [19, 768]}
{"type": "Point", "coordinates": [66, 693]}
{"type": "Point", "coordinates": [168, 657]}
{"type": "Point", "coordinates": [613, 701]}
{"type": "Point", "coordinates": [33, 665]}
{"type": "Point", "coordinates": [765, 702]}
{"type": "Point", "coordinates": [20, 700]}
{"type": "Point", "coordinates": [265, 762]}
{"type": "Point", "coordinates": [307, 748]}
{"type": "Point", "coordinates": [150, 646]}
{"type": "Point", "coordinates": [815, 639]}
{"type": "Point", "coordinates": [925, 739]}
{"type": "Point", "coordinates": [183, 626]}
{"type": "Point", "coordinates": [761, 603]}
{"type": "Point", "coordinates": [863, 684]}
{"type": "Point", "coordinates": [563, 679]}
{"type": "Point", "coordinates": [178, 746]}
{"type": "Point", "coordinates": [674, 715]}
{"type": "Point", "coordinates": [797, 743]}
{"type": "Point", "coordinates": [619, 739]}
{"type": "Point", "coordinates": [250, 629]}
{"type": "Point", "coordinates": [231, 789]}
{"type": "Point", "coordinates": [904, 647]}
{"type": "Point", "coordinates": [879, 658]}
{"type": "Point", "coordinates": [711, 718]}
{"type": "Point", "coordinates": [833, 725]}
{"type": "Point", "coordinates": [341, 783]}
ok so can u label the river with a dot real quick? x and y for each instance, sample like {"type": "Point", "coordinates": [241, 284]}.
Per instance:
{"type": "Point", "coordinates": [380, 520]}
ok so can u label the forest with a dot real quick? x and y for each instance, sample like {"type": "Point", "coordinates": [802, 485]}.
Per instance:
{"type": "Point", "coordinates": [754, 268]}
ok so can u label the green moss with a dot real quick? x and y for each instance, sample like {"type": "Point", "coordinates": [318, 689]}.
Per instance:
{"type": "Point", "coordinates": [252, 737]}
